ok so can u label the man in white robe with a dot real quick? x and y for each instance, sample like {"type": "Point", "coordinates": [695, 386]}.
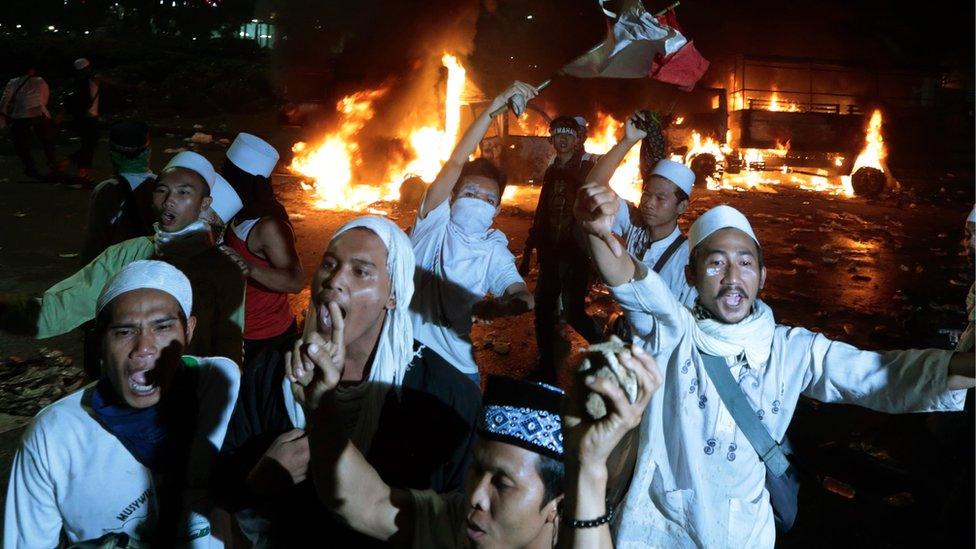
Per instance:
{"type": "Point", "coordinates": [698, 482]}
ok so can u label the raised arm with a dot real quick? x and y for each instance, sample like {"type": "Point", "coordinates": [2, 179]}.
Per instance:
{"type": "Point", "coordinates": [913, 380]}
{"type": "Point", "coordinates": [440, 190]}
{"type": "Point", "coordinates": [608, 163]}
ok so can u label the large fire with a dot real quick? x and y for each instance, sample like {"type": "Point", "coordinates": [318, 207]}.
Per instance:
{"type": "Point", "coordinates": [626, 181]}
{"type": "Point", "coordinates": [874, 153]}
{"type": "Point", "coordinates": [330, 164]}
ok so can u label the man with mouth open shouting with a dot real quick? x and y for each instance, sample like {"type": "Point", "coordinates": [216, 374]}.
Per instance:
{"type": "Point", "coordinates": [460, 258]}
{"type": "Point", "coordinates": [698, 481]}
{"type": "Point", "coordinates": [131, 455]}
{"type": "Point", "coordinates": [187, 188]}
{"type": "Point", "coordinates": [404, 407]}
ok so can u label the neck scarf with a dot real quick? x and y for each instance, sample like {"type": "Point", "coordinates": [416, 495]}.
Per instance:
{"type": "Point", "coordinates": [752, 336]}
{"type": "Point", "coordinates": [140, 430]}
{"type": "Point", "coordinates": [130, 164]}
{"type": "Point", "coordinates": [186, 242]}
{"type": "Point", "coordinates": [394, 350]}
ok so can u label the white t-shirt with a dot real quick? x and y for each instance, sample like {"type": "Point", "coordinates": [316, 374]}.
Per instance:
{"type": "Point", "coordinates": [71, 474]}
{"type": "Point", "coordinates": [452, 275]}
{"type": "Point", "coordinates": [638, 244]}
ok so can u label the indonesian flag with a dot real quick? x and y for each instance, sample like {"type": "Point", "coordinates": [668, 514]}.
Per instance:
{"type": "Point", "coordinates": [639, 45]}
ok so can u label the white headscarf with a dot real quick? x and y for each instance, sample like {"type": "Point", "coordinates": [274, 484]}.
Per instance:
{"type": "Point", "coordinates": [394, 350]}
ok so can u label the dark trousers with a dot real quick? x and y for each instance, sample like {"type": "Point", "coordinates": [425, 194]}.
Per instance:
{"type": "Point", "coordinates": [283, 342]}
{"type": "Point", "coordinates": [20, 132]}
{"type": "Point", "coordinates": [568, 277]}
{"type": "Point", "coordinates": [87, 129]}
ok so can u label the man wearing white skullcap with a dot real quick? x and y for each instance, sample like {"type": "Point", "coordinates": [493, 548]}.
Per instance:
{"type": "Point", "coordinates": [261, 242]}
{"type": "Point", "coordinates": [181, 195]}
{"type": "Point", "coordinates": [693, 453]}
{"type": "Point", "coordinates": [130, 455]}
{"type": "Point", "coordinates": [398, 397]}
{"type": "Point", "coordinates": [650, 230]}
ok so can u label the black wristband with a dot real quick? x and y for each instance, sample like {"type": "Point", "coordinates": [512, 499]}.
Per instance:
{"type": "Point", "coordinates": [593, 523]}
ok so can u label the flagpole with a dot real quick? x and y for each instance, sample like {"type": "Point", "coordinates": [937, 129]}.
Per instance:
{"type": "Point", "coordinates": [545, 83]}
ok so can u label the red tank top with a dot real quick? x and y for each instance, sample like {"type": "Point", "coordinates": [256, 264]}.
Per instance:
{"type": "Point", "coordinates": [266, 312]}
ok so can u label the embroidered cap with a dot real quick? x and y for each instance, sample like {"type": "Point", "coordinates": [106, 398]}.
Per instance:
{"type": "Point", "coordinates": [524, 414]}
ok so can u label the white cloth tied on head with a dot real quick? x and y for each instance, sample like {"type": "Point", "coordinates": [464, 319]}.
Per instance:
{"type": "Point", "coordinates": [194, 162]}
{"type": "Point", "coordinates": [226, 202]}
{"type": "Point", "coordinates": [972, 216]}
{"type": "Point", "coordinates": [677, 173]}
{"type": "Point", "coordinates": [253, 154]}
{"type": "Point", "coordinates": [394, 350]}
{"type": "Point", "coordinates": [717, 218]}
{"type": "Point", "coordinates": [148, 274]}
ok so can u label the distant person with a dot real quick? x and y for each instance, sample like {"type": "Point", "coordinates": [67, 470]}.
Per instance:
{"type": "Point", "coordinates": [128, 458]}
{"type": "Point", "coordinates": [24, 108]}
{"type": "Point", "coordinates": [261, 241]}
{"type": "Point", "coordinates": [564, 266]}
{"type": "Point", "coordinates": [81, 105]}
{"type": "Point", "coordinates": [460, 257]}
{"type": "Point", "coordinates": [120, 207]}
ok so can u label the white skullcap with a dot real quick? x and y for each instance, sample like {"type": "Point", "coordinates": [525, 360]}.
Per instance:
{"type": "Point", "coordinates": [252, 154]}
{"type": "Point", "coordinates": [677, 173]}
{"type": "Point", "coordinates": [81, 63]}
{"type": "Point", "coordinates": [194, 162]}
{"type": "Point", "coordinates": [148, 274]}
{"type": "Point", "coordinates": [972, 216]}
{"type": "Point", "coordinates": [719, 217]}
{"type": "Point", "coordinates": [226, 203]}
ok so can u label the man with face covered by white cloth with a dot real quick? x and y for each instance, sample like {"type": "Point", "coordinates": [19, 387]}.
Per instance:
{"type": "Point", "coordinates": [697, 481]}
{"type": "Point", "coordinates": [460, 258]}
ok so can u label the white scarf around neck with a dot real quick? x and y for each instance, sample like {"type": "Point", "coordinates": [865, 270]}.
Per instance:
{"type": "Point", "coordinates": [752, 335]}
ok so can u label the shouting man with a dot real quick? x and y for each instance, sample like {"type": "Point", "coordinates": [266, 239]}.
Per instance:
{"type": "Point", "coordinates": [698, 481]}
{"type": "Point", "coordinates": [128, 457]}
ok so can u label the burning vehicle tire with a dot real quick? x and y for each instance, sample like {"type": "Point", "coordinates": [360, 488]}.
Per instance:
{"type": "Point", "coordinates": [868, 182]}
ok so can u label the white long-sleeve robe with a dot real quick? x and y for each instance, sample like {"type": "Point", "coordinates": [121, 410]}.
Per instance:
{"type": "Point", "coordinates": [698, 482]}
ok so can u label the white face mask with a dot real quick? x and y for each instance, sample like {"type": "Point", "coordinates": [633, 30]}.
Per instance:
{"type": "Point", "coordinates": [472, 216]}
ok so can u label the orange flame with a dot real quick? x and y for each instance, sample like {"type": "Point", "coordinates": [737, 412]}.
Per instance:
{"type": "Point", "coordinates": [626, 181]}
{"type": "Point", "coordinates": [874, 152]}
{"type": "Point", "coordinates": [331, 163]}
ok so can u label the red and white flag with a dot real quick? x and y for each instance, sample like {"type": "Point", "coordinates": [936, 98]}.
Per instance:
{"type": "Point", "coordinates": [638, 45]}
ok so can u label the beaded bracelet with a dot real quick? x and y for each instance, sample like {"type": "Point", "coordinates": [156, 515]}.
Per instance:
{"type": "Point", "coordinates": [593, 523]}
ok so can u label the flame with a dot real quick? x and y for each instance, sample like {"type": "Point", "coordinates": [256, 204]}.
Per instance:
{"type": "Point", "coordinates": [626, 181]}
{"type": "Point", "coordinates": [331, 163]}
{"type": "Point", "coordinates": [787, 106]}
{"type": "Point", "coordinates": [874, 152]}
